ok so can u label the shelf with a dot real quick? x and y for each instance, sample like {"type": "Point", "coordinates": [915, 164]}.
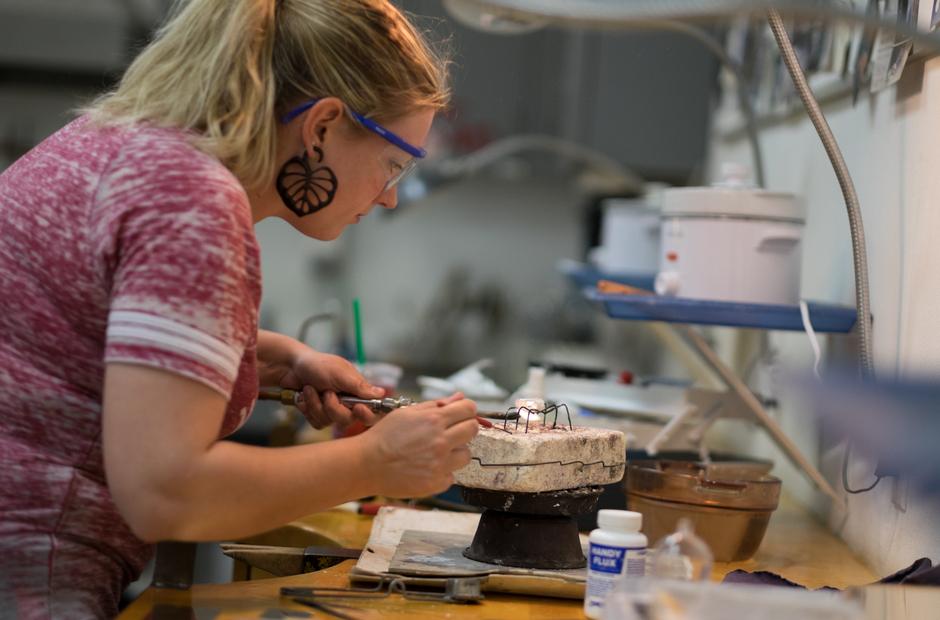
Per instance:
{"type": "Point", "coordinates": [587, 276]}
{"type": "Point", "coordinates": [824, 317]}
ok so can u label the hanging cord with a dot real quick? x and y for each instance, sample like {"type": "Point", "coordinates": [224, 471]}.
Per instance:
{"type": "Point", "coordinates": [811, 333]}
{"type": "Point", "coordinates": [859, 252]}
{"type": "Point", "coordinates": [845, 474]}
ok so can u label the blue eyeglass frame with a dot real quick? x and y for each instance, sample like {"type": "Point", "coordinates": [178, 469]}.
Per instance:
{"type": "Point", "coordinates": [414, 151]}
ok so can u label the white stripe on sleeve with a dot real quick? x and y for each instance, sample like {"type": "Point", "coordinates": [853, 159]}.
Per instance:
{"type": "Point", "coordinates": [130, 327]}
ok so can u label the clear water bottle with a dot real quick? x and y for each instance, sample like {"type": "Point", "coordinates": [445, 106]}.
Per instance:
{"type": "Point", "coordinates": [681, 556]}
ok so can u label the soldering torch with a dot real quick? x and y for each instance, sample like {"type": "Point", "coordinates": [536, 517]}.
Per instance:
{"type": "Point", "coordinates": [378, 405]}
{"type": "Point", "coordinates": [294, 397]}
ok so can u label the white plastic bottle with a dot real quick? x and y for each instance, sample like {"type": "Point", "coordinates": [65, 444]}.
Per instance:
{"type": "Point", "coordinates": [617, 551]}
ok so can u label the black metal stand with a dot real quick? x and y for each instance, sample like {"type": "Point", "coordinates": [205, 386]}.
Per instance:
{"type": "Point", "coordinates": [530, 530]}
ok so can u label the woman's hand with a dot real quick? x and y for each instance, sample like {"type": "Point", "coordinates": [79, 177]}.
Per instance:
{"type": "Point", "coordinates": [287, 363]}
{"type": "Point", "coordinates": [413, 451]}
{"type": "Point", "coordinates": [322, 377]}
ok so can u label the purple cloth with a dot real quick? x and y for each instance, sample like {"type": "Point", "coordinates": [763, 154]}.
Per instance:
{"type": "Point", "coordinates": [922, 573]}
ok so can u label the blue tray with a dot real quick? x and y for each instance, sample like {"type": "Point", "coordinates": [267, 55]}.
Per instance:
{"type": "Point", "coordinates": [824, 317]}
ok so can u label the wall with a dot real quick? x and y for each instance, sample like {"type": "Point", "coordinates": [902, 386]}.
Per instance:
{"type": "Point", "coordinates": [648, 101]}
{"type": "Point", "coordinates": [640, 96]}
{"type": "Point", "coordinates": [890, 143]}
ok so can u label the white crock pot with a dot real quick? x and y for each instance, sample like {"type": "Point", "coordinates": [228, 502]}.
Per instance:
{"type": "Point", "coordinates": [731, 243]}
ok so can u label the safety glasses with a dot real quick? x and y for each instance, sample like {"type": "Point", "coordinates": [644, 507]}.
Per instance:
{"type": "Point", "coordinates": [397, 170]}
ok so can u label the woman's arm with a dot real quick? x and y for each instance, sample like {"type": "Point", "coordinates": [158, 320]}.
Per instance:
{"type": "Point", "coordinates": [276, 355]}
{"type": "Point", "coordinates": [171, 478]}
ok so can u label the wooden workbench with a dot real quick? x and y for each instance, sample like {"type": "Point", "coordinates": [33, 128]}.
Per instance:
{"type": "Point", "coordinates": [796, 547]}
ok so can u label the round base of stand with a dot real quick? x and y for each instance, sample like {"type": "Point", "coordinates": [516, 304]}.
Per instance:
{"type": "Point", "coordinates": [530, 530]}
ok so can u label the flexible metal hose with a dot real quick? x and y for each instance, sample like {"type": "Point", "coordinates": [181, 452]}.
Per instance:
{"type": "Point", "coordinates": [859, 251]}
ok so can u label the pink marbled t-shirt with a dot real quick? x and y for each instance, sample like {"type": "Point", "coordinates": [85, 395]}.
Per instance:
{"type": "Point", "coordinates": [116, 245]}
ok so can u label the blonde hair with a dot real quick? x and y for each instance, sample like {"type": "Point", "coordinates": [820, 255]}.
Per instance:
{"type": "Point", "coordinates": [226, 70]}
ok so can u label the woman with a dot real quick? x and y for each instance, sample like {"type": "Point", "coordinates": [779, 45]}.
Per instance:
{"type": "Point", "coordinates": [129, 273]}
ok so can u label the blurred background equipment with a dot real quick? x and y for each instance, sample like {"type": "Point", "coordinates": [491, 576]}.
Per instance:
{"type": "Point", "coordinates": [893, 421]}
{"type": "Point", "coordinates": [598, 173]}
{"type": "Point", "coordinates": [630, 236]}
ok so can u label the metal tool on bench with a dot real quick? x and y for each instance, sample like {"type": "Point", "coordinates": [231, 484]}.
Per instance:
{"type": "Point", "coordinates": [294, 397]}
{"type": "Point", "coordinates": [286, 561]}
{"type": "Point", "coordinates": [456, 590]}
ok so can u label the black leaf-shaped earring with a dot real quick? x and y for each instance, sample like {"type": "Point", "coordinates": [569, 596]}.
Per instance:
{"type": "Point", "coordinates": [306, 189]}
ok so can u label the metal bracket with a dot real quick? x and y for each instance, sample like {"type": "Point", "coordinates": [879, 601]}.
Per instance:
{"type": "Point", "coordinates": [738, 402]}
